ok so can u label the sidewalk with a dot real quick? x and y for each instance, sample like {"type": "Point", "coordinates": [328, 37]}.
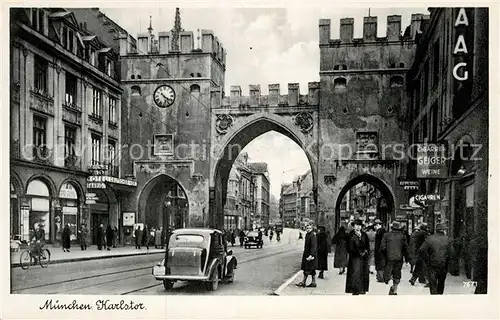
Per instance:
{"type": "Point", "coordinates": [57, 255]}
{"type": "Point", "coordinates": [334, 284]}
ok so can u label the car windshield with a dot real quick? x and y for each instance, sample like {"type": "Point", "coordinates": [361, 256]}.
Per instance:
{"type": "Point", "coordinates": [188, 238]}
{"type": "Point", "coordinates": [252, 234]}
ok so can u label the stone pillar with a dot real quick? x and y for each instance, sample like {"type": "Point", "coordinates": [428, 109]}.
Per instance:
{"type": "Point", "coordinates": [370, 28]}
{"type": "Point", "coordinates": [164, 42]}
{"type": "Point", "coordinates": [235, 97]}
{"type": "Point", "coordinates": [346, 29]}
{"type": "Point", "coordinates": [254, 95]}
{"type": "Point", "coordinates": [293, 94]}
{"type": "Point", "coordinates": [393, 27]}
{"type": "Point", "coordinates": [324, 31]}
{"type": "Point", "coordinates": [274, 95]}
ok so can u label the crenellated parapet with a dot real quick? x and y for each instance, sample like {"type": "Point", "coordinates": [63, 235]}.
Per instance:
{"type": "Point", "coordinates": [175, 41]}
{"type": "Point", "coordinates": [370, 24]}
{"type": "Point", "coordinates": [274, 99]}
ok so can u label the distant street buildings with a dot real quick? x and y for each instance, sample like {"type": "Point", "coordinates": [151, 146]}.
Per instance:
{"type": "Point", "coordinates": [296, 205]}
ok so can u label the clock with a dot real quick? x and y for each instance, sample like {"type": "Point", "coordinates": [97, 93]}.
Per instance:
{"type": "Point", "coordinates": [164, 96]}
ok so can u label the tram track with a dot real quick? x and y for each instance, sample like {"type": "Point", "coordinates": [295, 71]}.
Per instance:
{"type": "Point", "coordinates": [242, 257]}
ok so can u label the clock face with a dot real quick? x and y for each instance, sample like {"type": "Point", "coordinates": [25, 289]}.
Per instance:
{"type": "Point", "coordinates": [164, 96]}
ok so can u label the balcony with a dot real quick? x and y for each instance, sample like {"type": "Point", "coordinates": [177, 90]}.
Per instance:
{"type": "Point", "coordinates": [112, 170]}
{"type": "Point", "coordinates": [72, 162]}
{"type": "Point", "coordinates": [72, 113]}
{"type": "Point", "coordinates": [113, 125]}
{"type": "Point", "coordinates": [41, 101]}
{"type": "Point", "coordinates": [42, 154]}
{"type": "Point", "coordinates": [96, 118]}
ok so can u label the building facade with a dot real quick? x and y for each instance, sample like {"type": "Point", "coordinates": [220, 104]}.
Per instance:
{"type": "Point", "coordinates": [64, 123]}
{"type": "Point", "coordinates": [448, 89]}
{"type": "Point", "coordinates": [262, 195]}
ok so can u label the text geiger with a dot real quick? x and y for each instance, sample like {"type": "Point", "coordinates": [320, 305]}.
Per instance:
{"type": "Point", "coordinates": [99, 305]}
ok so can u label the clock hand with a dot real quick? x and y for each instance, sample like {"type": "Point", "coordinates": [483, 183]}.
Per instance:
{"type": "Point", "coordinates": [164, 96]}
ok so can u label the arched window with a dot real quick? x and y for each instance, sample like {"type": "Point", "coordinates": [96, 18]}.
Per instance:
{"type": "Point", "coordinates": [139, 76]}
{"type": "Point", "coordinates": [136, 91]}
{"type": "Point", "coordinates": [38, 193]}
{"type": "Point", "coordinates": [198, 75]}
{"type": "Point", "coordinates": [192, 75]}
{"type": "Point", "coordinates": [336, 67]}
{"type": "Point", "coordinates": [397, 81]}
{"type": "Point", "coordinates": [344, 67]}
{"type": "Point", "coordinates": [132, 76]}
{"type": "Point", "coordinates": [339, 83]}
{"type": "Point", "coordinates": [195, 88]}
{"type": "Point", "coordinates": [393, 65]}
{"type": "Point", "coordinates": [401, 65]}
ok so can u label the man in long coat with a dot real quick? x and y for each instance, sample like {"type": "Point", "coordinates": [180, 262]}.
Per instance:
{"type": "Point", "coordinates": [416, 240]}
{"type": "Point", "coordinates": [440, 258]}
{"type": "Point", "coordinates": [379, 257]}
{"type": "Point", "coordinates": [322, 251]}
{"type": "Point", "coordinates": [309, 258]}
{"type": "Point", "coordinates": [341, 254]}
{"type": "Point", "coordinates": [395, 248]}
{"type": "Point", "coordinates": [358, 270]}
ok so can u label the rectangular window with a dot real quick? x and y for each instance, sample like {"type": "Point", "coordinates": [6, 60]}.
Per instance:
{"type": "Point", "coordinates": [71, 38]}
{"type": "Point", "coordinates": [39, 131]}
{"type": "Point", "coordinates": [38, 20]}
{"type": "Point", "coordinates": [71, 89]}
{"type": "Point", "coordinates": [69, 141]}
{"type": "Point", "coordinates": [34, 18]}
{"type": "Point", "coordinates": [41, 22]}
{"type": "Point", "coordinates": [434, 122]}
{"type": "Point", "coordinates": [41, 72]}
{"type": "Point", "coordinates": [112, 158]}
{"type": "Point", "coordinates": [64, 37]}
{"type": "Point", "coordinates": [424, 128]}
{"type": "Point", "coordinates": [426, 83]}
{"type": "Point", "coordinates": [112, 110]}
{"type": "Point", "coordinates": [436, 54]}
{"type": "Point", "coordinates": [96, 149]}
{"type": "Point", "coordinates": [96, 102]}
{"type": "Point", "coordinates": [109, 68]}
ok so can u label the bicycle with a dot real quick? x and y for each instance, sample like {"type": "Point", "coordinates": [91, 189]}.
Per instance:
{"type": "Point", "coordinates": [29, 255]}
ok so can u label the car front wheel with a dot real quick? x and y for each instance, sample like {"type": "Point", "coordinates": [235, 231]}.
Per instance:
{"type": "Point", "coordinates": [168, 285]}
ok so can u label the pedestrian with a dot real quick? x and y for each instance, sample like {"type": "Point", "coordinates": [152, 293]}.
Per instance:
{"type": "Point", "coordinates": [241, 237]}
{"type": "Point", "coordinates": [66, 238]}
{"type": "Point", "coordinates": [271, 233]}
{"type": "Point", "coordinates": [138, 237]}
{"type": "Point", "coordinates": [309, 258]}
{"type": "Point", "coordinates": [259, 235]}
{"type": "Point", "coordinates": [145, 237]}
{"type": "Point", "coordinates": [300, 235]}
{"type": "Point", "coordinates": [233, 238]}
{"type": "Point", "coordinates": [109, 237]}
{"type": "Point", "coordinates": [157, 238]}
{"type": "Point", "coordinates": [340, 256]}
{"type": "Point", "coordinates": [115, 238]}
{"type": "Point", "coordinates": [100, 236]}
{"type": "Point", "coordinates": [329, 243]}
{"type": "Point", "coordinates": [379, 257]}
{"type": "Point", "coordinates": [395, 249]}
{"type": "Point", "coordinates": [84, 237]}
{"type": "Point", "coordinates": [371, 238]}
{"type": "Point", "coordinates": [322, 251]}
{"type": "Point", "coordinates": [417, 238]}
{"type": "Point", "coordinates": [358, 272]}
{"type": "Point", "coordinates": [440, 257]}
{"type": "Point", "coordinates": [278, 236]}
{"type": "Point", "coordinates": [38, 240]}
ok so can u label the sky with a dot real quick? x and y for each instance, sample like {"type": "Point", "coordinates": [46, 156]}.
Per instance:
{"type": "Point", "coordinates": [264, 46]}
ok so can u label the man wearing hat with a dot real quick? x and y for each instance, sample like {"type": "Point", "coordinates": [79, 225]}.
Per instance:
{"type": "Point", "coordinates": [379, 257]}
{"type": "Point", "coordinates": [358, 269]}
{"type": "Point", "coordinates": [439, 255]}
{"type": "Point", "coordinates": [309, 258]}
{"type": "Point", "coordinates": [417, 239]}
{"type": "Point", "coordinates": [38, 238]}
{"type": "Point", "coordinates": [395, 248]}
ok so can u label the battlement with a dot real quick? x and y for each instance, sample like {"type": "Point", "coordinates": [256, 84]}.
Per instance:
{"type": "Point", "coordinates": [393, 31]}
{"type": "Point", "coordinates": [175, 41]}
{"type": "Point", "coordinates": [274, 99]}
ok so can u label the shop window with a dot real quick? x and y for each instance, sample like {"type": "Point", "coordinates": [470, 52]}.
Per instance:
{"type": "Point", "coordinates": [69, 207]}
{"type": "Point", "coordinates": [38, 193]}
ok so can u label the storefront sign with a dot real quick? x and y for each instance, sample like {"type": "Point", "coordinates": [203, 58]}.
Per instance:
{"type": "Point", "coordinates": [409, 185]}
{"type": "Point", "coordinates": [96, 185]}
{"type": "Point", "coordinates": [112, 180]}
{"type": "Point", "coordinates": [461, 47]}
{"type": "Point", "coordinates": [68, 192]}
{"type": "Point", "coordinates": [87, 201]}
{"type": "Point", "coordinates": [431, 161]}
{"type": "Point", "coordinates": [98, 169]}
{"type": "Point", "coordinates": [428, 197]}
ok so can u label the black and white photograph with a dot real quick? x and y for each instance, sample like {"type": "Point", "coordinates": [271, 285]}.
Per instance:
{"type": "Point", "coordinates": [277, 152]}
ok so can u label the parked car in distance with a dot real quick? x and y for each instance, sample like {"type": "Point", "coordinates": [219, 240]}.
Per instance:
{"type": "Point", "coordinates": [252, 239]}
{"type": "Point", "coordinates": [196, 255]}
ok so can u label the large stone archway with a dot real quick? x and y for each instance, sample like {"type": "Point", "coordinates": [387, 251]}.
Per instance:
{"type": "Point", "coordinates": [244, 129]}
{"type": "Point", "coordinates": [164, 202]}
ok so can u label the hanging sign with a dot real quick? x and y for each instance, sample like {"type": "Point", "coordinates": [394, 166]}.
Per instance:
{"type": "Point", "coordinates": [460, 72]}
{"type": "Point", "coordinates": [431, 161]}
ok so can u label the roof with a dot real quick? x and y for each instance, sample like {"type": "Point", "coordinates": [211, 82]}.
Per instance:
{"type": "Point", "coordinates": [258, 167]}
{"type": "Point", "coordinates": [196, 230]}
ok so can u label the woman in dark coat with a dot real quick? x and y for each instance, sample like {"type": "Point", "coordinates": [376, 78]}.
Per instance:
{"type": "Point", "coordinates": [309, 258]}
{"type": "Point", "coordinates": [322, 251]}
{"type": "Point", "coordinates": [358, 270]}
{"type": "Point", "coordinates": [66, 241]}
{"type": "Point", "coordinates": [138, 237]}
{"type": "Point", "coordinates": [340, 242]}
{"type": "Point", "coordinates": [109, 237]}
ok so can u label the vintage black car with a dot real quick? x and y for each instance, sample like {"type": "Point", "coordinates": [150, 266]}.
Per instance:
{"type": "Point", "coordinates": [196, 255]}
{"type": "Point", "coordinates": [252, 239]}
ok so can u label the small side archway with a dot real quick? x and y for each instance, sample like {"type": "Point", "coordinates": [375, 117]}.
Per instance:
{"type": "Point", "coordinates": [385, 205]}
